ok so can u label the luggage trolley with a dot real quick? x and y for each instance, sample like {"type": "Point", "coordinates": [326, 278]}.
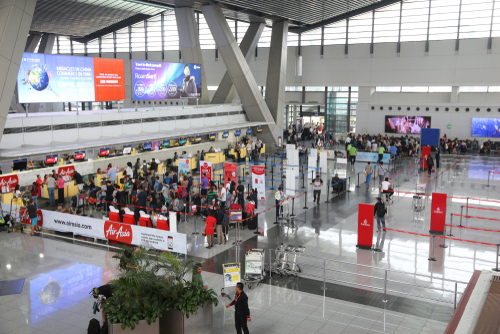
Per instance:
{"type": "Point", "coordinates": [254, 267]}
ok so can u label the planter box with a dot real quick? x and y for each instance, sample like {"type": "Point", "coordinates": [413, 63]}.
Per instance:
{"type": "Point", "coordinates": [141, 328]}
{"type": "Point", "coordinates": [173, 322]}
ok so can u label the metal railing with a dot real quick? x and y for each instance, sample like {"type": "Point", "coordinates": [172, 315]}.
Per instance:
{"type": "Point", "coordinates": [385, 280]}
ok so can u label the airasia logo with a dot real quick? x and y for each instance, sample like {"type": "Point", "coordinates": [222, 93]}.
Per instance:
{"type": "Point", "coordinates": [66, 171]}
{"type": "Point", "coordinates": [365, 223]}
{"type": "Point", "coordinates": [118, 232]}
{"type": "Point", "coordinates": [39, 217]}
{"type": "Point", "coordinates": [187, 161]}
{"type": "Point", "coordinates": [9, 181]}
{"type": "Point", "coordinates": [205, 165]}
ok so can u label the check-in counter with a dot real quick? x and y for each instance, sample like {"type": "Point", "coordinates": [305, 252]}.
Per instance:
{"type": "Point", "coordinates": [70, 190]}
{"type": "Point", "coordinates": [215, 158]}
{"type": "Point", "coordinates": [7, 198]}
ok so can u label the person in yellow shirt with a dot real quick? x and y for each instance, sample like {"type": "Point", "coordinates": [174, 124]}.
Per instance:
{"type": "Point", "coordinates": [381, 151]}
{"type": "Point", "coordinates": [352, 154]}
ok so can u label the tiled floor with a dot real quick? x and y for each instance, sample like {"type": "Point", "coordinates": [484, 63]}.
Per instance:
{"type": "Point", "coordinates": [59, 275]}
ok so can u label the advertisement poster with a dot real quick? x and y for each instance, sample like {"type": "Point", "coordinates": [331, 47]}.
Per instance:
{"type": "Point", "coordinates": [372, 157]}
{"type": "Point", "coordinates": [365, 226]}
{"type": "Point", "coordinates": [259, 181]}
{"type": "Point", "coordinates": [56, 78]}
{"type": "Point", "coordinates": [8, 183]}
{"type": "Point", "coordinates": [406, 124]}
{"type": "Point", "coordinates": [485, 127]}
{"type": "Point", "coordinates": [426, 151]}
{"type": "Point", "coordinates": [312, 163]}
{"type": "Point", "coordinates": [230, 171]}
{"type": "Point", "coordinates": [232, 275]}
{"type": "Point", "coordinates": [153, 80]}
{"type": "Point", "coordinates": [206, 167]}
{"type": "Point", "coordinates": [183, 167]}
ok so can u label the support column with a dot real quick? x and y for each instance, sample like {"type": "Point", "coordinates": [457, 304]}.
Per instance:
{"type": "Point", "coordinates": [455, 91]}
{"type": "Point", "coordinates": [46, 46]}
{"type": "Point", "coordinates": [225, 92]}
{"type": "Point", "coordinates": [189, 43]}
{"type": "Point", "coordinates": [239, 71]}
{"type": "Point", "coordinates": [276, 71]}
{"type": "Point", "coordinates": [15, 22]}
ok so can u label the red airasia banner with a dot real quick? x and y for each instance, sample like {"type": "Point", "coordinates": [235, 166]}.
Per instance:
{"type": "Point", "coordinates": [206, 167]}
{"type": "Point", "coordinates": [26, 219]}
{"type": "Point", "coordinates": [365, 226]}
{"type": "Point", "coordinates": [230, 171]}
{"type": "Point", "coordinates": [8, 183]}
{"type": "Point", "coordinates": [438, 213]}
{"type": "Point", "coordinates": [426, 151]}
{"type": "Point", "coordinates": [66, 171]}
{"type": "Point", "coordinates": [118, 232]}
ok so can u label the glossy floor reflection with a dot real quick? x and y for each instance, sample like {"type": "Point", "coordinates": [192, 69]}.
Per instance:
{"type": "Point", "coordinates": [59, 274]}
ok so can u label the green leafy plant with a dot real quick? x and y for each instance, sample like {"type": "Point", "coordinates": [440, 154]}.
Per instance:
{"type": "Point", "coordinates": [155, 284]}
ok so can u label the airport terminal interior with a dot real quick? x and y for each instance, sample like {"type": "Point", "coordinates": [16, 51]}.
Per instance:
{"type": "Point", "coordinates": [237, 166]}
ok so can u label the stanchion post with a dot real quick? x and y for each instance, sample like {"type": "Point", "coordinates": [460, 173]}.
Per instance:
{"type": "Point", "coordinates": [432, 258]}
{"type": "Point", "coordinates": [358, 181]}
{"type": "Point", "coordinates": [489, 172]}
{"type": "Point", "coordinates": [195, 230]}
{"type": "Point", "coordinates": [293, 205]}
{"type": "Point", "coordinates": [461, 214]}
{"type": "Point", "coordinates": [498, 254]}
{"type": "Point", "coordinates": [270, 266]}
{"type": "Point", "coordinates": [272, 177]}
{"type": "Point", "coordinates": [328, 191]}
{"type": "Point", "coordinates": [303, 180]}
{"type": "Point", "coordinates": [305, 202]}
{"type": "Point", "coordinates": [385, 287]}
{"type": "Point", "coordinates": [324, 275]}
{"type": "Point", "coordinates": [348, 190]}
{"type": "Point", "coordinates": [451, 224]}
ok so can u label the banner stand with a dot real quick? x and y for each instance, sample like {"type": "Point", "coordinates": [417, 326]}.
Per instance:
{"type": "Point", "coordinates": [438, 213]}
{"type": "Point", "coordinates": [365, 226]}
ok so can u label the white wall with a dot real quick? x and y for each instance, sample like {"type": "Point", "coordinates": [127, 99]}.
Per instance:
{"type": "Point", "coordinates": [372, 121]}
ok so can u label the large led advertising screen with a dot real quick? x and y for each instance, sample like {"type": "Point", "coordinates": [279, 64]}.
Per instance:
{"type": "Point", "coordinates": [56, 78]}
{"type": "Point", "coordinates": [406, 124]}
{"type": "Point", "coordinates": [485, 127]}
{"type": "Point", "coordinates": [153, 80]}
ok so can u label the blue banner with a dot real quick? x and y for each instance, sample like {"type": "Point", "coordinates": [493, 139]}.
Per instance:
{"type": "Point", "coordinates": [161, 80]}
{"type": "Point", "coordinates": [371, 157]}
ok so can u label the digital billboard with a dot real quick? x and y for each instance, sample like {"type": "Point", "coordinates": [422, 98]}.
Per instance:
{"type": "Point", "coordinates": [485, 127]}
{"type": "Point", "coordinates": [153, 80]}
{"type": "Point", "coordinates": [56, 78]}
{"type": "Point", "coordinates": [406, 124]}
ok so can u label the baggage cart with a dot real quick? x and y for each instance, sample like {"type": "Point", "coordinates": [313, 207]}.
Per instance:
{"type": "Point", "coordinates": [254, 267]}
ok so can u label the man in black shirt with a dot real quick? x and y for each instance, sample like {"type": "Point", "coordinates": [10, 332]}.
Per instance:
{"type": "Point", "coordinates": [379, 212]}
{"type": "Point", "coordinates": [240, 190]}
{"type": "Point", "coordinates": [174, 179]}
{"type": "Point", "coordinates": [140, 204]}
{"type": "Point", "coordinates": [153, 167]}
{"type": "Point", "coordinates": [242, 312]}
{"type": "Point", "coordinates": [78, 179]}
{"type": "Point", "coordinates": [109, 193]}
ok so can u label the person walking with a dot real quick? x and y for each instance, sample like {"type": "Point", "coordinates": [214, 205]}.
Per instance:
{"type": "Point", "coordinates": [430, 164]}
{"type": "Point", "coordinates": [242, 312]}
{"type": "Point", "coordinates": [381, 171]}
{"type": "Point", "coordinates": [368, 173]}
{"type": "Point", "coordinates": [379, 212]}
{"type": "Point", "coordinates": [381, 151]}
{"type": "Point", "coordinates": [317, 184]}
{"type": "Point", "coordinates": [437, 157]}
{"type": "Point", "coordinates": [32, 214]}
{"type": "Point", "coordinates": [51, 185]}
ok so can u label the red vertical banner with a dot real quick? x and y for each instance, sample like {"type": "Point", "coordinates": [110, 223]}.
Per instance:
{"type": "Point", "coordinates": [426, 151]}
{"type": "Point", "coordinates": [230, 171]}
{"type": "Point", "coordinates": [365, 226]}
{"type": "Point", "coordinates": [206, 168]}
{"type": "Point", "coordinates": [438, 213]}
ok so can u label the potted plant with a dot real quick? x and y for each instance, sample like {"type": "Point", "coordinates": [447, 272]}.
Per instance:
{"type": "Point", "coordinates": [151, 284]}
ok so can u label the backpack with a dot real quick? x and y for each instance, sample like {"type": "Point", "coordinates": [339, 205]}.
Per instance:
{"type": "Point", "coordinates": [381, 210]}
{"type": "Point", "coordinates": [184, 192]}
{"type": "Point", "coordinates": [94, 327]}
{"type": "Point", "coordinates": [104, 328]}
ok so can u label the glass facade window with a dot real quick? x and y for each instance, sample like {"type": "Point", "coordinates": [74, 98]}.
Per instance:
{"type": "Point", "coordinates": [107, 43]}
{"type": "Point", "coordinates": [414, 20]}
{"type": "Point", "coordinates": [265, 38]}
{"type": "Point", "coordinates": [440, 89]}
{"type": "Point", "coordinates": [312, 37]}
{"type": "Point", "coordinates": [388, 89]}
{"type": "Point", "coordinates": [293, 88]}
{"type": "Point", "coordinates": [138, 37]}
{"type": "Point", "coordinates": [122, 40]}
{"type": "Point", "coordinates": [315, 88]}
{"type": "Point", "coordinates": [444, 19]}
{"type": "Point", "coordinates": [341, 109]}
{"type": "Point", "coordinates": [473, 89]}
{"type": "Point", "coordinates": [360, 28]}
{"type": "Point", "coordinates": [386, 28]}
{"type": "Point", "coordinates": [154, 34]}
{"type": "Point", "coordinates": [92, 46]}
{"type": "Point", "coordinates": [475, 19]}
{"type": "Point", "coordinates": [171, 37]}
{"type": "Point", "coordinates": [414, 89]}
{"type": "Point", "coordinates": [335, 33]}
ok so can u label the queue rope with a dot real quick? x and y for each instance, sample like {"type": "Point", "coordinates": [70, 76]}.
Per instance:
{"type": "Point", "coordinates": [441, 236]}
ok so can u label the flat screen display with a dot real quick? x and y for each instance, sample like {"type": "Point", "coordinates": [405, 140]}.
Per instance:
{"type": "Point", "coordinates": [198, 138]}
{"type": "Point", "coordinates": [79, 155]}
{"type": "Point", "coordinates": [485, 127]}
{"type": "Point", "coordinates": [406, 124]}
{"type": "Point", "coordinates": [51, 159]}
{"type": "Point", "coordinates": [211, 136]}
{"type": "Point", "coordinates": [249, 131]}
{"type": "Point", "coordinates": [225, 134]}
{"type": "Point", "coordinates": [259, 129]}
{"type": "Point", "coordinates": [166, 143]}
{"type": "Point", "coordinates": [20, 164]}
{"type": "Point", "coordinates": [104, 152]}
{"type": "Point", "coordinates": [237, 133]}
{"type": "Point", "coordinates": [127, 149]}
{"type": "Point", "coordinates": [182, 141]}
{"type": "Point", "coordinates": [147, 146]}
{"type": "Point", "coordinates": [56, 78]}
{"type": "Point", "coordinates": [153, 80]}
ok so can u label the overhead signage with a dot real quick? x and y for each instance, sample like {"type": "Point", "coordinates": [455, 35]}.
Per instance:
{"type": "Point", "coordinates": [153, 80]}
{"type": "Point", "coordinates": [57, 78]}
{"type": "Point", "coordinates": [79, 155]}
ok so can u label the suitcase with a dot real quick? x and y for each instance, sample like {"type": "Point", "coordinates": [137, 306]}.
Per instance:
{"type": "Point", "coordinates": [252, 223]}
